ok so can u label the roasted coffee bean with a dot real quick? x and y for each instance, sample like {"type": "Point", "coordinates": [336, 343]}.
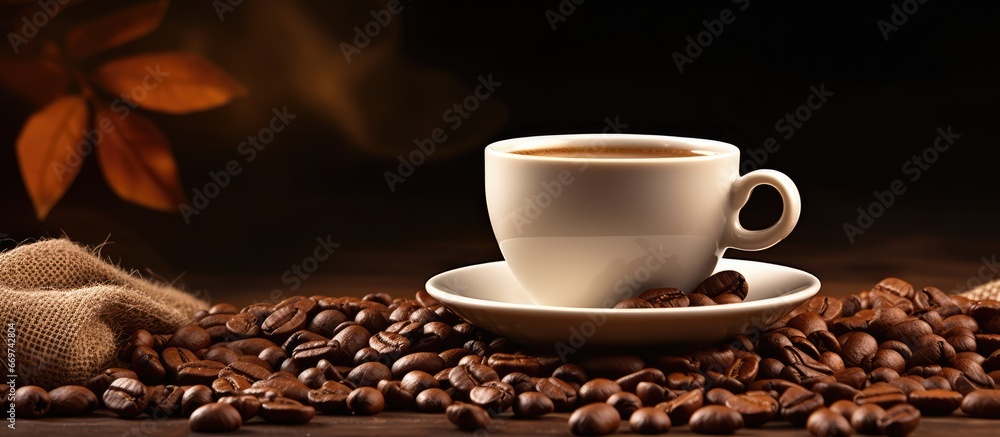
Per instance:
{"type": "Point", "coordinates": [909, 384]}
{"type": "Point", "coordinates": [883, 374]}
{"type": "Point", "coordinates": [834, 391]}
{"type": "Point", "coordinates": [494, 396]}
{"type": "Point", "coordinates": [611, 366]}
{"type": "Point", "coordinates": [931, 349]}
{"type": "Point", "coordinates": [164, 400]}
{"type": "Point", "coordinates": [699, 300]}
{"type": "Point", "coordinates": [250, 371]}
{"type": "Point", "coordinates": [195, 397]}
{"type": "Point", "coordinates": [299, 338]}
{"type": "Point", "coordinates": [856, 346]}
{"type": "Point", "coordinates": [394, 396]}
{"type": "Point", "coordinates": [369, 374]}
{"type": "Point", "coordinates": [744, 369]}
{"type": "Point", "coordinates": [936, 402]}
{"type": "Point", "coordinates": [649, 420]}
{"type": "Point", "coordinates": [571, 373]}
{"type": "Point", "coordinates": [982, 403]}
{"type": "Point", "coordinates": [507, 363]}
{"type": "Point", "coordinates": [807, 323]}
{"type": "Point", "coordinates": [716, 396]}
{"type": "Point", "coordinates": [714, 359]}
{"type": "Point", "coordinates": [682, 407]}
{"type": "Point", "coordinates": [563, 395]}
{"type": "Point", "coordinates": [282, 322]}
{"type": "Point", "coordinates": [191, 337]}
{"type": "Point", "coordinates": [312, 378]}
{"type": "Point", "coordinates": [249, 346]}
{"type": "Point", "coordinates": [365, 401]}
{"type": "Point", "coordinates": [715, 419]}
{"type": "Point", "coordinates": [139, 338]}
{"type": "Point", "coordinates": [828, 308]}
{"type": "Point", "coordinates": [388, 343]}
{"type": "Point", "coordinates": [756, 407]}
{"type": "Point", "coordinates": [467, 416]}
{"type": "Point", "coordinates": [100, 382]}
{"type": "Point", "coordinates": [844, 408]}
{"type": "Point", "coordinates": [287, 411]}
{"type": "Point", "coordinates": [230, 384]}
{"type": "Point", "coordinates": [895, 286]}
{"type": "Point", "coordinates": [881, 394]}
{"type": "Point", "coordinates": [650, 393]}
{"type": "Point", "coordinates": [433, 400]}
{"type": "Point", "coordinates": [289, 387]}
{"type": "Point", "coordinates": [309, 353]}
{"type": "Point", "coordinates": [215, 417]}
{"type": "Point", "coordinates": [594, 419]}
{"type": "Point", "coordinates": [147, 366]}
{"type": "Point", "coordinates": [797, 404]}
{"type": "Point", "coordinates": [470, 359]}
{"type": "Point", "coordinates": [685, 381]}
{"type": "Point", "coordinates": [727, 281]}
{"type": "Point", "coordinates": [532, 404]}
{"type": "Point", "coordinates": [908, 330]}
{"type": "Point", "coordinates": [824, 422]}
{"type": "Point", "coordinates": [769, 368]}
{"type": "Point", "coordinates": [243, 325]}
{"type": "Point", "coordinates": [649, 374]}
{"type": "Point", "coordinates": [625, 403]}
{"type": "Point", "coordinates": [521, 382]}
{"type": "Point", "coordinates": [202, 372]}
{"type": "Point", "coordinates": [324, 322]}
{"type": "Point", "coordinates": [174, 357]}
{"type": "Point", "coordinates": [69, 400]}
{"type": "Point", "coordinates": [382, 298]}
{"type": "Point", "coordinates": [31, 402]}
{"type": "Point", "coordinates": [331, 398]}
{"type": "Point", "coordinates": [665, 298]}
{"type": "Point", "coordinates": [726, 299]}
{"type": "Point", "coordinates": [417, 381]}
{"type": "Point", "coordinates": [223, 355]}
{"type": "Point", "coordinates": [373, 320]}
{"type": "Point", "coordinates": [246, 405]}
{"type": "Point", "coordinates": [865, 419]}
{"type": "Point", "coordinates": [465, 378]}
{"type": "Point", "coordinates": [899, 421]}
{"type": "Point", "coordinates": [125, 397]}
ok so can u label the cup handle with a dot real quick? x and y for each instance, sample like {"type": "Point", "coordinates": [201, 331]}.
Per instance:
{"type": "Point", "coordinates": [738, 237]}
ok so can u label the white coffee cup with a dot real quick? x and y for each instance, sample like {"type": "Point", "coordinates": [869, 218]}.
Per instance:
{"type": "Point", "coordinates": [591, 231]}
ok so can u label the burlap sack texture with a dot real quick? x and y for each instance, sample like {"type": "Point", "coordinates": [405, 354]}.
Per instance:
{"type": "Point", "coordinates": [987, 291]}
{"type": "Point", "coordinates": [71, 309]}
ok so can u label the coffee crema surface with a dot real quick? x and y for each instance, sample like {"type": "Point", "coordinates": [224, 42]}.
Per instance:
{"type": "Point", "coordinates": [617, 152]}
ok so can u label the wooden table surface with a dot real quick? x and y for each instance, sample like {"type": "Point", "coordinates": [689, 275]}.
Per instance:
{"type": "Point", "coordinates": [925, 260]}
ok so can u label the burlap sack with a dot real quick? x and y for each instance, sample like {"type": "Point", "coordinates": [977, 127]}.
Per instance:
{"type": "Point", "coordinates": [987, 291]}
{"type": "Point", "coordinates": [70, 310]}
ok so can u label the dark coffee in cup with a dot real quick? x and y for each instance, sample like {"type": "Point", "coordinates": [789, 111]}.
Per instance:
{"type": "Point", "coordinates": [613, 152]}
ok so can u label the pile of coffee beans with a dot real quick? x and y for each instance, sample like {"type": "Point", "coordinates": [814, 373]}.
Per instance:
{"type": "Point", "coordinates": [871, 363]}
{"type": "Point", "coordinates": [722, 288]}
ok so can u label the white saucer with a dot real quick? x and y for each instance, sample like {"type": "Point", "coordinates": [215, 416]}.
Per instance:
{"type": "Point", "coordinates": [488, 296]}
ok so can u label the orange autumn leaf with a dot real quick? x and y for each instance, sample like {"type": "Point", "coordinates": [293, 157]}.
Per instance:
{"type": "Point", "coordinates": [46, 150]}
{"type": "Point", "coordinates": [120, 27]}
{"type": "Point", "coordinates": [175, 83]}
{"type": "Point", "coordinates": [136, 160]}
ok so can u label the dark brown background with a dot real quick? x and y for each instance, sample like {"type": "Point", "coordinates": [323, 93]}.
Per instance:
{"type": "Point", "coordinates": [324, 174]}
